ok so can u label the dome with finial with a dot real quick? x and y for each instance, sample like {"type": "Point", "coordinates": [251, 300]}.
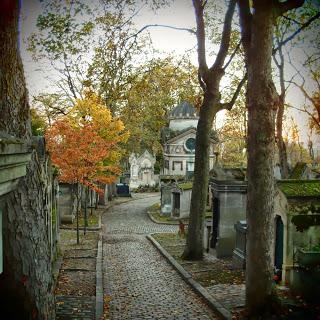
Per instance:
{"type": "Point", "coordinates": [183, 116]}
{"type": "Point", "coordinates": [184, 110]}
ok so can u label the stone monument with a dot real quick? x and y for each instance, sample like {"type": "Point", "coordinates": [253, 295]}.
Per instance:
{"type": "Point", "coordinates": [142, 170]}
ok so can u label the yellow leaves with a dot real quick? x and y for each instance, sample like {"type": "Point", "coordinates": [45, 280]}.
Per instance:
{"type": "Point", "coordinates": [84, 141]}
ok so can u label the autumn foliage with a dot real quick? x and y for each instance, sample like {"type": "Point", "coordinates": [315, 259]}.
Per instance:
{"type": "Point", "coordinates": [84, 145]}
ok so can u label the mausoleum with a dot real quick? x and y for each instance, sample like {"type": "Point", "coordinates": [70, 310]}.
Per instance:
{"type": "Point", "coordinates": [179, 140]}
{"type": "Point", "coordinates": [142, 170]}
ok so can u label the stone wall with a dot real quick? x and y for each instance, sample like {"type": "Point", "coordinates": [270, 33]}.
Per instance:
{"type": "Point", "coordinates": [27, 274]}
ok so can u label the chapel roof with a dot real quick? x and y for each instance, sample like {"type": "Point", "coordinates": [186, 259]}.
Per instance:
{"type": "Point", "coordinates": [184, 110]}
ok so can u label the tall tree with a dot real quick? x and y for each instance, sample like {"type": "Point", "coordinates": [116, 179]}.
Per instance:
{"type": "Point", "coordinates": [158, 86]}
{"type": "Point", "coordinates": [210, 79]}
{"type": "Point", "coordinates": [26, 285]}
{"type": "Point", "coordinates": [257, 28]}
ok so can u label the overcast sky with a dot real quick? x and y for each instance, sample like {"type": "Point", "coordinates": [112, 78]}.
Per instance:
{"type": "Point", "coordinates": [179, 14]}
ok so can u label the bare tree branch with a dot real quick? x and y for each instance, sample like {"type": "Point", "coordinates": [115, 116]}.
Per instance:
{"type": "Point", "coordinates": [232, 56]}
{"type": "Point", "coordinates": [162, 26]}
{"type": "Point", "coordinates": [226, 34]}
{"type": "Point", "coordinates": [303, 26]}
{"type": "Point", "coordinates": [291, 20]}
{"type": "Point", "coordinates": [203, 67]}
{"type": "Point", "coordinates": [229, 105]}
{"type": "Point", "coordinates": [310, 114]}
{"type": "Point", "coordinates": [245, 24]}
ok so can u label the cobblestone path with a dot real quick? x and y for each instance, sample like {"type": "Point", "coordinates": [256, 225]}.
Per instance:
{"type": "Point", "coordinates": [231, 296]}
{"type": "Point", "coordinates": [131, 217]}
{"type": "Point", "coordinates": [73, 307]}
{"type": "Point", "coordinates": [141, 283]}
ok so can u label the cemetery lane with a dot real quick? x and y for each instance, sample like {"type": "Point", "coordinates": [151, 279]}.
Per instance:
{"type": "Point", "coordinates": [139, 281]}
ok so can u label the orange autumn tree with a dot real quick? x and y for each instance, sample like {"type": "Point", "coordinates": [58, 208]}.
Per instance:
{"type": "Point", "coordinates": [84, 145]}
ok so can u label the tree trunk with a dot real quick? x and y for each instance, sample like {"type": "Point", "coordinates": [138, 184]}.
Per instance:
{"type": "Point", "coordinates": [194, 249]}
{"type": "Point", "coordinates": [14, 107]}
{"type": "Point", "coordinates": [262, 99]}
{"type": "Point", "coordinates": [282, 149]}
{"type": "Point", "coordinates": [85, 210]}
{"type": "Point", "coordinates": [262, 104]}
{"type": "Point", "coordinates": [26, 285]}
{"type": "Point", "coordinates": [209, 79]}
{"type": "Point", "coordinates": [78, 199]}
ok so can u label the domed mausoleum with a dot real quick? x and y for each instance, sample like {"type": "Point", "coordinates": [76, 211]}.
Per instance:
{"type": "Point", "coordinates": [179, 141]}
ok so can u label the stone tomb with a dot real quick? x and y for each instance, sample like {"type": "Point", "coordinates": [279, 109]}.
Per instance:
{"type": "Point", "coordinates": [67, 203]}
{"type": "Point", "coordinates": [176, 199]}
{"type": "Point", "coordinates": [296, 254]}
{"type": "Point", "coordinates": [181, 200]}
{"type": "Point", "coordinates": [142, 170]}
{"type": "Point", "coordinates": [229, 206]}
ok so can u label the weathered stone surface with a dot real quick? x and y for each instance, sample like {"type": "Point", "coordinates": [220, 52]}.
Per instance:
{"type": "Point", "coordinates": [27, 247]}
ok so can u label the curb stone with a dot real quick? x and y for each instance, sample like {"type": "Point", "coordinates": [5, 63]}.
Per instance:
{"type": "Point", "coordinates": [213, 303]}
{"type": "Point", "coordinates": [159, 222]}
{"type": "Point", "coordinates": [99, 282]}
{"type": "Point", "coordinates": [162, 222]}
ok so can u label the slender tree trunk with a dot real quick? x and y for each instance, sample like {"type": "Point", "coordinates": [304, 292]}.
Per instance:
{"type": "Point", "coordinates": [26, 285]}
{"type": "Point", "coordinates": [78, 199]}
{"type": "Point", "coordinates": [194, 249]}
{"type": "Point", "coordinates": [91, 201]}
{"type": "Point", "coordinates": [282, 149]}
{"type": "Point", "coordinates": [209, 79]}
{"type": "Point", "coordinates": [283, 157]}
{"type": "Point", "coordinates": [85, 210]}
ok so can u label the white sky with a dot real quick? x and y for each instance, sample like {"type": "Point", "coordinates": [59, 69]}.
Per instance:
{"type": "Point", "coordinates": [179, 14]}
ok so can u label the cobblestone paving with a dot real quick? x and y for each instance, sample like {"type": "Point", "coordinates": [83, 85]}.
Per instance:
{"type": "Point", "coordinates": [131, 217]}
{"type": "Point", "coordinates": [72, 307]}
{"type": "Point", "coordinates": [231, 296]}
{"type": "Point", "coordinates": [141, 283]}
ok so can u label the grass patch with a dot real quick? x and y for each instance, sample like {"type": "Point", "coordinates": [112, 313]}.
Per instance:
{"type": "Point", "coordinates": [68, 240]}
{"type": "Point", "coordinates": [154, 211]}
{"type": "Point", "coordinates": [207, 272]}
{"type": "Point", "coordinates": [93, 220]}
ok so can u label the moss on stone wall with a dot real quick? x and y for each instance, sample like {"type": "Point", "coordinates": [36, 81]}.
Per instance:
{"type": "Point", "coordinates": [300, 188]}
{"type": "Point", "coordinates": [185, 185]}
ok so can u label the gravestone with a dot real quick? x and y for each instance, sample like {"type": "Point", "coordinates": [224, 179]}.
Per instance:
{"type": "Point", "coordinates": [166, 205]}
{"type": "Point", "coordinates": [67, 203]}
{"type": "Point", "coordinates": [123, 190]}
{"type": "Point", "coordinates": [239, 252]}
